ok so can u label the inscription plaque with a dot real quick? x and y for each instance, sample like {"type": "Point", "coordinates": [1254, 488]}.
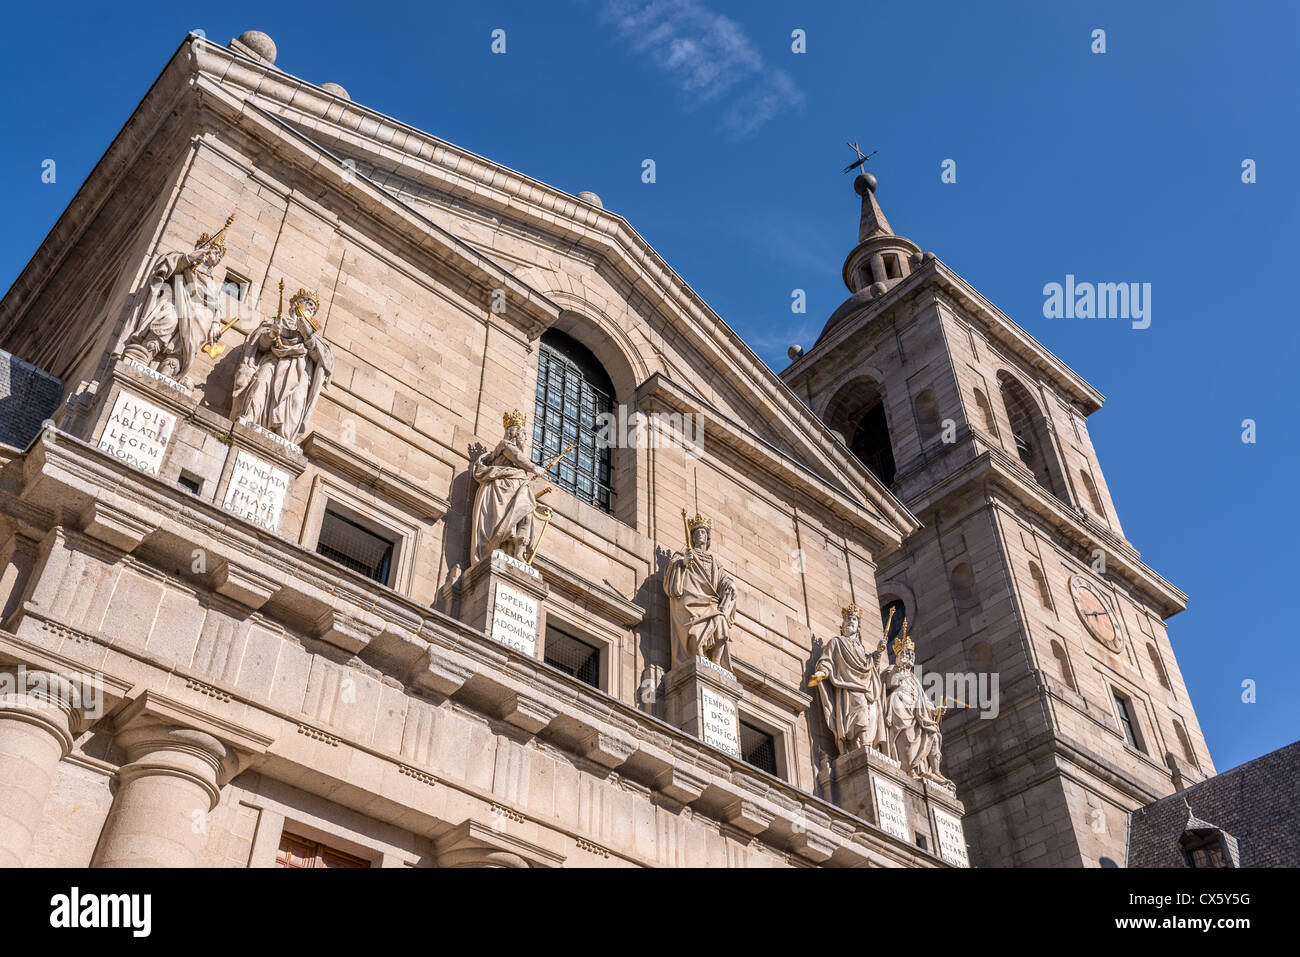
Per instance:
{"type": "Point", "coordinates": [514, 619]}
{"type": "Point", "coordinates": [719, 724]}
{"type": "Point", "coordinates": [891, 812]}
{"type": "Point", "coordinates": [952, 839]}
{"type": "Point", "coordinates": [137, 432]}
{"type": "Point", "coordinates": [257, 490]}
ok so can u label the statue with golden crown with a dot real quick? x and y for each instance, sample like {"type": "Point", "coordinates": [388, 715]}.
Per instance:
{"type": "Point", "coordinates": [848, 679]}
{"type": "Point", "coordinates": [505, 503]}
{"type": "Point", "coordinates": [701, 598]}
{"type": "Point", "coordinates": [285, 365]}
{"type": "Point", "coordinates": [183, 304]}
{"type": "Point", "coordinates": [913, 722]}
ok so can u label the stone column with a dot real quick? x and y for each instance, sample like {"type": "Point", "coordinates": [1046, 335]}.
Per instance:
{"type": "Point", "coordinates": [171, 781]}
{"type": "Point", "coordinates": [472, 844]}
{"type": "Point", "coordinates": [37, 711]}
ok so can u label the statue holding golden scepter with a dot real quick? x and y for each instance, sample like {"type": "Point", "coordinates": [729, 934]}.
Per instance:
{"type": "Point", "coordinates": [848, 677]}
{"type": "Point", "coordinates": [505, 503]}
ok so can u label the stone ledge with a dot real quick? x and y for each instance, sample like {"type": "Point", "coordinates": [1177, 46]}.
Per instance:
{"type": "Point", "coordinates": [324, 450]}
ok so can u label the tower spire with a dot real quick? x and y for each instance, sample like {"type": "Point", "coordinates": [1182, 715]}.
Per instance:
{"type": "Point", "coordinates": [873, 221]}
{"type": "Point", "coordinates": [880, 260]}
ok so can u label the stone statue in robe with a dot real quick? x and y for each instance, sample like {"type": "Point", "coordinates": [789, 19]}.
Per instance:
{"type": "Point", "coordinates": [701, 600]}
{"type": "Point", "coordinates": [285, 365]}
{"type": "Point", "coordinates": [848, 680]}
{"type": "Point", "coordinates": [505, 503]}
{"type": "Point", "coordinates": [912, 720]}
{"type": "Point", "coordinates": [183, 304]}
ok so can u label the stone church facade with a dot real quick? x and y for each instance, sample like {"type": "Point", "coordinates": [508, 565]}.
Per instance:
{"type": "Point", "coordinates": [317, 562]}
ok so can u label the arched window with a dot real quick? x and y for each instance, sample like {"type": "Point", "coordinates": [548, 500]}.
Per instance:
{"type": "Point", "coordinates": [1158, 665]}
{"type": "Point", "coordinates": [858, 413]}
{"type": "Point", "coordinates": [1063, 665]}
{"type": "Point", "coordinates": [986, 411]}
{"type": "Point", "coordinates": [927, 414]}
{"type": "Point", "coordinates": [871, 444]}
{"type": "Point", "coordinates": [1028, 431]}
{"type": "Point", "coordinates": [572, 391]}
{"type": "Point", "coordinates": [1040, 582]}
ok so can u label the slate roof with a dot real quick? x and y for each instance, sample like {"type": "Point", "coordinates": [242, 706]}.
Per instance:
{"type": "Point", "coordinates": [28, 396]}
{"type": "Point", "coordinates": [1254, 802]}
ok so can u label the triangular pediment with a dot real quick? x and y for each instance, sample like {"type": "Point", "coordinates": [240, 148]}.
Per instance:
{"type": "Point", "coordinates": [447, 204]}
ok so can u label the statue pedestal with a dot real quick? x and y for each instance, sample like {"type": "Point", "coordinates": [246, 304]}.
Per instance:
{"type": "Point", "coordinates": [504, 598]}
{"type": "Point", "coordinates": [875, 788]}
{"type": "Point", "coordinates": [703, 699]}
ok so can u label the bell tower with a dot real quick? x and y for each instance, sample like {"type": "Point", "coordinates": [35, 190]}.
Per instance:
{"type": "Point", "coordinates": [1021, 589]}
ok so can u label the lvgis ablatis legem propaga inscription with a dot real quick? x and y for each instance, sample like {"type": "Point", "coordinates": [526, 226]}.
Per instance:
{"type": "Point", "coordinates": [137, 432]}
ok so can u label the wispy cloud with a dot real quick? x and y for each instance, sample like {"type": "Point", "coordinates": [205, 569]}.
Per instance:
{"type": "Point", "coordinates": [708, 57]}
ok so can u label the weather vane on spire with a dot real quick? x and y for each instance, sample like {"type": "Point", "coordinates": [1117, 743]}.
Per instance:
{"type": "Point", "coordinates": [861, 160]}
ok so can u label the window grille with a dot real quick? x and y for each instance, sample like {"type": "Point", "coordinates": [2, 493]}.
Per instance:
{"type": "Point", "coordinates": [573, 657]}
{"type": "Point", "coordinates": [572, 392]}
{"type": "Point", "coordinates": [344, 541]}
{"type": "Point", "coordinates": [757, 748]}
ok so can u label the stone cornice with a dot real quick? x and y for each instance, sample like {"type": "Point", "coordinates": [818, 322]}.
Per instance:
{"type": "Point", "coordinates": [997, 471]}
{"type": "Point", "coordinates": [589, 594]}
{"type": "Point", "coordinates": [992, 321]}
{"type": "Point", "coordinates": [458, 173]}
{"type": "Point", "coordinates": [765, 686]}
{"type": "Point", "coordinates": [324, 450]}
{"type": "Point", "coordinates": [883, 518]}
{"type": "Point", "coordinates": [428, 651]}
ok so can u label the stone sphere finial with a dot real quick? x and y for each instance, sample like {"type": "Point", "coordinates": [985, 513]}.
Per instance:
{"type": "Point", "coordinates": [336, 90]}
{"type": "Point", "coordinates": [587, 196]}
{"type": "Point", "coordinates": [864, 182]}
{"type": "Point", "coordinates": [794, 352]}
{"type": "Point", "coordinates": [260, 44]}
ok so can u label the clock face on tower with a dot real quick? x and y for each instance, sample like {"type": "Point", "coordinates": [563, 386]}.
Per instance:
{"type": "Point", "coordinates": [1095, 613]}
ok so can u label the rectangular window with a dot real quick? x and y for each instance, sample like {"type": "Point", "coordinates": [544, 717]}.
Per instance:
{"type": "Point", "coordinates": [301, 853]}
{"type": "Point", "coordinates": [572, 656]}
{"type": "Point", "coordinates": [351, 544]}
{"type": "Point", "coordinates": [1124, 711]}
{"type": "Point", "coordinates": [190, 483]}
{"type": "Point", "coordinates": [892, 269]}
{"type": "Point", "coordinates": [758, 748]}
{"type": "Point", "coordinates": [233, 292]}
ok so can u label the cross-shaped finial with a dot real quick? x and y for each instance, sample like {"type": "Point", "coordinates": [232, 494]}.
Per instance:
{"type": "Point", "coordinates": [862, 159]}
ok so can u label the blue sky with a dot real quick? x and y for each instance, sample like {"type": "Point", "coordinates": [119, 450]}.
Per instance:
{"type": "Point", "coordinates": [1122, 166]}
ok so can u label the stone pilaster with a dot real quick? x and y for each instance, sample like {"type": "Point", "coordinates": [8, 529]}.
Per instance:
{"type": "Point", "coordinates": [38, 710]}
